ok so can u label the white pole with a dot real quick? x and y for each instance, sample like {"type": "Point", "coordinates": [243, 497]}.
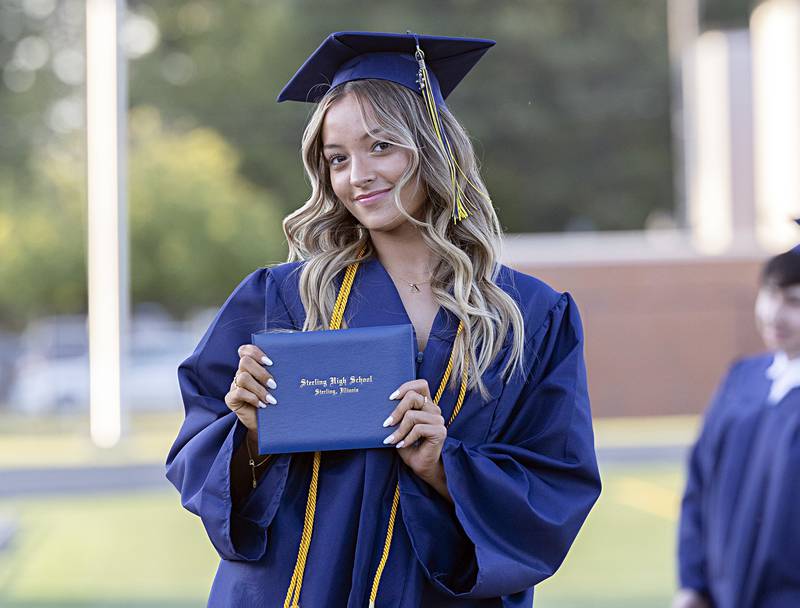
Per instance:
{"type": "Point", "coordinates": [683, 28]}
{"type": "Point", "coordinates": [106, 108]}
{"type": "Point", "coordinates": [720, 140]}
{"type": "Point", "coordinates": [775, 25]}
{"type": "Point", "coordinates": [709, 194]}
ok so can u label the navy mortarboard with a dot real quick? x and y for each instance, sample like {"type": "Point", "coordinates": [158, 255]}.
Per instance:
{"type": "Point", "coordinates": [429, 65]}
{"type": "Point", "coordinates": [346, 56]}
{"type": "Point", "coordinates": [796, 248]}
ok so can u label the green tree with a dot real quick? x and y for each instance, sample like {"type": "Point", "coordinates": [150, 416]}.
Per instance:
{"type": "Point", "coordinates": [42, 244]}
{"type": "Point", "coordinates": [196, 226]}
{"type": "Point", "coordinates": [570, 111]}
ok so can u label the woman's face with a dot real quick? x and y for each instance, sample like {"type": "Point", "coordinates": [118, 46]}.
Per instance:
{"type": "Point", "coordinates": [364, 169]}
{"type": "Point", "coordinates": [778, 318]}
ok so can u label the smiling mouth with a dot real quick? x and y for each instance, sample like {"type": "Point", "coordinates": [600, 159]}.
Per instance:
{"type": "Point", "coordinates": [371, 197]}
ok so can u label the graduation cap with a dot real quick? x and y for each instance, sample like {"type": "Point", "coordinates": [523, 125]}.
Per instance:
{"type": "Point", "coordinates": [431, 66]}
{"type": "Point", "coordinates": [796, 249]}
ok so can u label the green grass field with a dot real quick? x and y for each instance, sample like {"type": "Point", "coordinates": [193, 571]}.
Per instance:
{"type": "Point", "coordinates": [143, 550]}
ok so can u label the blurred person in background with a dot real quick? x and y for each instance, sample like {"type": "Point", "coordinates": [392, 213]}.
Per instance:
{"type": "Point", "coordinates": [482, 510]}
{"type": "Point", "coordinates": [739, 534]}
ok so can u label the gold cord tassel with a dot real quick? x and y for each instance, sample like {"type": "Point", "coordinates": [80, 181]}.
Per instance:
{"type": "Point", "coordinates": [460, 212]}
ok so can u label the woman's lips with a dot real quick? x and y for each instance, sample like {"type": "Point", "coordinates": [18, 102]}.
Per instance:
{"type": "Point", "coordinates": [370, 199]}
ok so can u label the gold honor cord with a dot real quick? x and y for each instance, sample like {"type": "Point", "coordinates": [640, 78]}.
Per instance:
{"type": "Point", "coordinates": [293, 593]}
{"type": "Point", "coordinates": [396, 500]}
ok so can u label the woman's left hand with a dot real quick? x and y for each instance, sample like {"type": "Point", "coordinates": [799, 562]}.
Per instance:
{"type": "Point", "coordinates": [421, 432]}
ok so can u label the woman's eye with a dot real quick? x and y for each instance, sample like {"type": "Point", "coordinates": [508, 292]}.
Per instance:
{"type": "Point", "coordinates": [336, 160]}
{"type": "Point", "coordinates": [381, 146]}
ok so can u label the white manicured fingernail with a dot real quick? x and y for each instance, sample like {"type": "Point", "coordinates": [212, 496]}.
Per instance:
{"type": "Point", "coordinates": [266, 360]}
{"type": "Point", "coordinates": [262, 404]}
{"type": "Point", "coordinates": [271, 399]}
{"type": "Point", "coordinates": [389, 439]}
{"type": "Point", "coordinates": [400, 445]}
{"type": "Point", "coordinates": [394, 394]}
{"type": "Point", "coordinates": [271, 383]}
{"type": "Point", "coordinates": [388, 421]}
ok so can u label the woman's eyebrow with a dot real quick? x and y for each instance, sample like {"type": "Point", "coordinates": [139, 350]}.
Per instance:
{"type": "Point", "coordinates": [374, 134]}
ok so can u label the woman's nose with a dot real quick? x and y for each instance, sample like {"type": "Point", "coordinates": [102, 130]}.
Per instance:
{"type": "Point", "coordinates": [361, 173]}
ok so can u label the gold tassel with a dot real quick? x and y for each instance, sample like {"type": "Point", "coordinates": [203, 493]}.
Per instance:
{"type": "Point", "coordinates": [460, 212]}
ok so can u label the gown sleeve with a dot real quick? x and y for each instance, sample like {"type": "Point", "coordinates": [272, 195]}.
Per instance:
{"type": "Point", "coordinates": [198, 463]}
{"type": "Point", "coordinates": [520, 498]}
{"type": "Point", "coordinates": [691, 536]}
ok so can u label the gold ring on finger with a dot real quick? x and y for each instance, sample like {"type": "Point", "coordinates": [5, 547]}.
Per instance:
{"type": "Point", "coordinates": [236, 380]}
{"type": "Point", "coordinates": [241, 406]}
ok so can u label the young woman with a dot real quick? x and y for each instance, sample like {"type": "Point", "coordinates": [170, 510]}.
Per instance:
{"type": "Point", "coordinates": [493, 468]}
{"type": "Point", "coordinates": [739, 544]}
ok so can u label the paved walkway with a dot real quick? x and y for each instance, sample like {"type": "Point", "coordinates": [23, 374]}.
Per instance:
{"type": "Point", "coordinates": [83, 480]}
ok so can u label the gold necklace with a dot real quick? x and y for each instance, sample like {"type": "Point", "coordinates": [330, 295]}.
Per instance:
{"type": "Point", "coordinates": [413, 287]}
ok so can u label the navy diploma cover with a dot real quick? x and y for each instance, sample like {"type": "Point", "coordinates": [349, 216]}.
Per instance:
{"type": "Point", "coordinates": [333, 387]}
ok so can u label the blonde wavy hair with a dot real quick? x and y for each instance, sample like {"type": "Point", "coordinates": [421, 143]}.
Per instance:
{"type": "Point", "coordinates": [325, 235]}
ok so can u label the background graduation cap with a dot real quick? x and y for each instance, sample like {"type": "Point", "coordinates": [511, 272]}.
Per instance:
{"type": "Point", "coordinates": [431, 66]}
{"type": "Point", "coordinates": [796, 248]}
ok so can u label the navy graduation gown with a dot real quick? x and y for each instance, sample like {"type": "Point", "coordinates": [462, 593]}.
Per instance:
{"type": "Point", "coordinates": [739, 534]}
{"type": "Point", "coordinates": [520, 467]}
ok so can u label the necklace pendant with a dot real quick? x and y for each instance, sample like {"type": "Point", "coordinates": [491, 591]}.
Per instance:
{"type": "Point", "coordinates": [414, 287]}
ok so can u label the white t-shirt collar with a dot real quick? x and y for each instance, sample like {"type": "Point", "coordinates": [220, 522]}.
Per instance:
{"type": "Point", "coordinates": [785, 375]}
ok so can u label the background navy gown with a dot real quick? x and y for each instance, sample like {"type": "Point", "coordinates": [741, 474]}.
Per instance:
{"type": "Point", "coordinates": [520, 467]}
{"type": "Point", "coordinates": [740, 523]}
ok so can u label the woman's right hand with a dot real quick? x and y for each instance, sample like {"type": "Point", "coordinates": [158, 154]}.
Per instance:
{"type": "Point", "coordinates": [249, 387]}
